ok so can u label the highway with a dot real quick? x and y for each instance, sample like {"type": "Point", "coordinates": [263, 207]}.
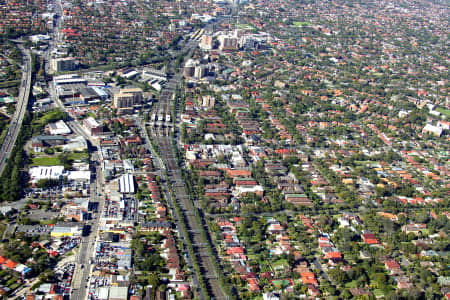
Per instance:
{"type": "Point", "coordinates": [21, 107]}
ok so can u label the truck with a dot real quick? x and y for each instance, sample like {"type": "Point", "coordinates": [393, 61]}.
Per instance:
{"type": "Point", "coordinates": [167, 118]}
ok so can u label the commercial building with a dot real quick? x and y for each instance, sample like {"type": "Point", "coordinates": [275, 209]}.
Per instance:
{"type": "Point", "coordinates": [89, 95]}
{"type": "Point", "coordinates": [227, 42]}
{"type": "Point", "coordinates": [80, 176]}
{"type": "Point", "coordinates": [118, 293]}
{"type": "Point", "coordinates": [41, 141]}
{"type": "Point", "coordinates": [63, 64]}
{"type": "Point", "coordinates": [77, 143]}
{"type": "Point", "coordinates": [68, 229]}
{"type": "Point", "coordinates": [69, 79]}
{"type": "Point", "coordinates": [152, 74]}
{"type": "Point", "coordinates": [92, 126]}
{"type": "Point", "coordinates": [126, 100]}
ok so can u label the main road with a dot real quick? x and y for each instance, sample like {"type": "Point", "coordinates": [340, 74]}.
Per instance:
{"type": "Point", "coordinates": [86, 251]}
{"type": "Point", "coordinates": [21, 107]}
{"type": "Point", "coordinates": [80, 282]}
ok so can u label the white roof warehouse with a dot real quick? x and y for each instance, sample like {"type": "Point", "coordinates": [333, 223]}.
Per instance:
{"type": "Point", "coordinates": [126, 184]}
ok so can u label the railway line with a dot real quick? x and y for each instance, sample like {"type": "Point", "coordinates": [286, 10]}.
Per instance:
{"type": "Point", "coordinates": [189, 214]}
{"type": "Point", "coordinates": [160, 133]}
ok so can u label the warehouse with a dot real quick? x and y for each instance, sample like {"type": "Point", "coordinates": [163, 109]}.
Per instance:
{"type": "Point", "coordinates": [126, 184]}
{"type": "Point", "coordinates": [59, 128]}
{"type": "Point", "coordinates": [53, 172]}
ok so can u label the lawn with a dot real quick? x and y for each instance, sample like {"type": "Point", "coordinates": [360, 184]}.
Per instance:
{"type": "Point", "coordinates": [302, 24]}
{"type": "Point", "coordinates": [8, 84]}
{"type": "Point", "coordinates": [48, 117]}
{"type": "Point", "coordinates": [280, 264]}
{"type": "Point", "coordinates": [444, 111]}
{"type": "Point", "coordinates": [252, 256]}
{"type": "Point", "coordinates": [378, 293]}
{"type": "Point", "coordinates": [45, 161]}
{"type": "Point", "coordinates": [54, 160]}
{"type": "Point", "coordinates": [3, 131]}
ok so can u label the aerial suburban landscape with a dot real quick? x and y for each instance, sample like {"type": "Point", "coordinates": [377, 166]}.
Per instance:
{"type": "Point", "coordinates": [224, 149]}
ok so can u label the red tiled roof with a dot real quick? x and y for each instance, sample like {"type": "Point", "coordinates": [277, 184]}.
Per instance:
{"type": "Point", "coordinates": [10, 264]}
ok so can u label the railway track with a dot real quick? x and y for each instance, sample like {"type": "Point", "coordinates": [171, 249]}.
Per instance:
{"type": "Point", "coordinates": [189, 214]}
{"type": "Point", "coordinates": [160, 133]}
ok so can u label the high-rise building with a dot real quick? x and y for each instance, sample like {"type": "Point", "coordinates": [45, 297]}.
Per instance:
{"type": "Point", "coordinates": [208, 101]}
